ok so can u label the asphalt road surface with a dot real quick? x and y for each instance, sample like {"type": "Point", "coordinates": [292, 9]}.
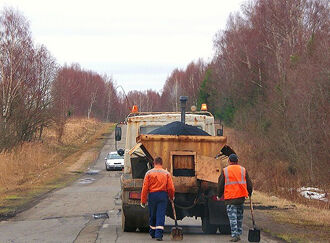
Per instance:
{"type": "Point", "coordinates": [76, 214]}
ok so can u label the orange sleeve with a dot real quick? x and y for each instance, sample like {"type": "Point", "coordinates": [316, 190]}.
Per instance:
{"type": "Point", "coordinates": [145, 190]}
{"type": "Point", "coordinates": [170, 187]}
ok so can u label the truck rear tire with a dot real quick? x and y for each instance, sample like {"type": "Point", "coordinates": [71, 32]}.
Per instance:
{"type": "Point", "coordinates": [125, 226]}
{"type": "Point", "coordinates": [208, 228]}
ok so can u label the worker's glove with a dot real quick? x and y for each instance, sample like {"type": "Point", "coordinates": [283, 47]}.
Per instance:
{"type": "Point", "coordinates": [143, 205]}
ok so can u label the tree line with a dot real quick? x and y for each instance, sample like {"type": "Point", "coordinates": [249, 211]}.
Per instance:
{"type": "Point", "coordinates": [270, 78]}
{"type": "Point", "coordinates": [36, 92]}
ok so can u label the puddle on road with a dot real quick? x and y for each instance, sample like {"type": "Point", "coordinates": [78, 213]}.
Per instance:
{"type": "Point", "coordinates": [92, 172]}
{"type": "Point", "coordinates": [100, 216]}
{"type": "Point", "coordinates": [86, 180]}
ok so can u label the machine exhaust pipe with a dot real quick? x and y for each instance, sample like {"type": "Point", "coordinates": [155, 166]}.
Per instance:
{"type": "Point", "coordinates": [183, 101]}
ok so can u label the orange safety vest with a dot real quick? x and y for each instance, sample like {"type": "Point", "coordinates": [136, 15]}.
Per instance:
{"type": "Point", "coordinates": [235, 182]}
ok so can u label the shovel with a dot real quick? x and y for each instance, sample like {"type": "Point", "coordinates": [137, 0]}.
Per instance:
{"type": "Point", "coordinates": [176, 232]}
{"type": "Point", "coordinates": [254, 234]}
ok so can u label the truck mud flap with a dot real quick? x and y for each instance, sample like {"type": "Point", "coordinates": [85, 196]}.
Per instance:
{"type": "Point", "coordinates": [217, 212]}
{"type": "Point", "coordinates": [136, 215]}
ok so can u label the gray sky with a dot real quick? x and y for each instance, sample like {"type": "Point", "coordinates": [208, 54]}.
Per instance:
{"type": "Point", "coordinates": [137, 42]}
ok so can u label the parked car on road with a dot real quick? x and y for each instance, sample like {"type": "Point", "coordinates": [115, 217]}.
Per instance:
{"type": "Point", "coordinates": [114, 161]}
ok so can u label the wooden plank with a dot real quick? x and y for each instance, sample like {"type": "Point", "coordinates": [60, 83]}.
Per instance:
{"type": "Point", "coordinates": [183, 162]}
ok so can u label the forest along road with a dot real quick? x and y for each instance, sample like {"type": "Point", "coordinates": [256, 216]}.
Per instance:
{"type": "Point", "coordinates": [89, 210]}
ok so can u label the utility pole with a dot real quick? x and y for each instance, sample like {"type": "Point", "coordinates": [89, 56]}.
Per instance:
{"type": "Point", "coordinates": [128, 103]}
{"type": "Point", "coordinates": [176, 94]}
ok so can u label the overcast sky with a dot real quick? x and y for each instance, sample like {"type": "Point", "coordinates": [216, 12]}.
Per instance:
{"type": "Point", "coordinates": [137, 42]}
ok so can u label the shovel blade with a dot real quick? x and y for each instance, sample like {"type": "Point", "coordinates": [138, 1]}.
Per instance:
{"type": "Point", "coordinates": [254, 235]}
{"type": "Point", "coordinates": [176, 233]}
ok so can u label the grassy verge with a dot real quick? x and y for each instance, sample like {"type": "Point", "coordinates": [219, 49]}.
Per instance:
{"type": "Point", "coordinates": [33, 169]}
{"type": "Point", "coordinates": [292, 222]}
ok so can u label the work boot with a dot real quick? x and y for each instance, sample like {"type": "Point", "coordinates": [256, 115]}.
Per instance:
{"type": "Point", "coordinates": [235, 239]}
{"type": "Point", "coordinates": [159, 239]}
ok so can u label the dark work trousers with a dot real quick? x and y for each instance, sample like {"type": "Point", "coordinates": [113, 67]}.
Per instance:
{"type": "Point", "coordinates": [235, 215]}
{"type": "Point", "coordinates": [157, 202]}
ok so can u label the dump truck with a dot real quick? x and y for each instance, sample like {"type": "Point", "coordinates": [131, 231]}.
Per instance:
{"type": "Point", "coordinates": [194, 162]}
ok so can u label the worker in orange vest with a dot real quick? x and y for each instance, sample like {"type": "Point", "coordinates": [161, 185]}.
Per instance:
{"type": "Point", "coordinates": [158, 188]}
{"type": "Point", "coordinates": [235, 185]}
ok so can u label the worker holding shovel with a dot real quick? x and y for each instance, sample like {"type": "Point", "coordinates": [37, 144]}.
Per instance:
{"type": "Point", "coordinates": [158, 188]}
{"type": "Point", "coordinates": [235, 185]}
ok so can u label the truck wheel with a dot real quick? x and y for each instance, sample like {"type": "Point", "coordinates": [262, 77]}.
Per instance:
{"type": "Point", "coordinates": [124, 224]}
{"type": "Point", "coordinates": [225, 229]}
{"type": "Point", "coordinates": [208, 228]}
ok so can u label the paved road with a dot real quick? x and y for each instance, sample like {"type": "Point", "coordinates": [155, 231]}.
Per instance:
{"type": "Point", "coordinates": [66, 215]}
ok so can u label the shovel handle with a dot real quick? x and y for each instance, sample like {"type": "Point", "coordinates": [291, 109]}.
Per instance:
{"type": "Point", "coordinates": [174, 213]}
{"type": "Point", "coordinates": [251, 207]}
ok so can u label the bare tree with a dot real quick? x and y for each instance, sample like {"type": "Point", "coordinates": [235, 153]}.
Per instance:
{"type": "Point", "coordinates": [26, 73]}
{"type": "Point", "coordinates": [15, 49]}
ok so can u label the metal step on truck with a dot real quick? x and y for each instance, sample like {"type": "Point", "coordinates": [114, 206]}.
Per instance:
{"type": "Point", "coordinates": [194, 161]}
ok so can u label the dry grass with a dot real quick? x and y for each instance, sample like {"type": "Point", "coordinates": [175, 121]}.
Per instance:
{"type": "Point", "coordinates": [30, 168]}
{"type": "Point", "coordinates": [76, 132]}
{"type": "Point", "coordinates": [24, 164]}
{"type": "Point", "coordinates": [299, 214]}
{"type": "Point", "coordinates": [292, 222]}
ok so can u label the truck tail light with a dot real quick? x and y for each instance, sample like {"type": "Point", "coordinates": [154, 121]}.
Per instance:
{"type": "Point", "coordinates": [134, 195]}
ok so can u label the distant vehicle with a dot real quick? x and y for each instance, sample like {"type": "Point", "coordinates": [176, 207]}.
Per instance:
{"type": "Point", "coordinates": [114, 161]}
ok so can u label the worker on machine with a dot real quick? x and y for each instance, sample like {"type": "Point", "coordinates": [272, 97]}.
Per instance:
{"type": "Point", "coordinates": [158, 188]}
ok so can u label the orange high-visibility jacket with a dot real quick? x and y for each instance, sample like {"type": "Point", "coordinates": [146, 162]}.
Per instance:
{"type": "Point", "coordinates": [155, 180]}
{"type": "Point", "coordinates": [235, 182]}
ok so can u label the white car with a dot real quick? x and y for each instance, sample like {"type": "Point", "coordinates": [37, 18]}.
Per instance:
{"type": "Point", "coordinates": [114, 161]}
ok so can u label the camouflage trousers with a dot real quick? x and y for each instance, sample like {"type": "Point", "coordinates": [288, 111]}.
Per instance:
{"type": "Point", "coordinates": [235, 215]}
